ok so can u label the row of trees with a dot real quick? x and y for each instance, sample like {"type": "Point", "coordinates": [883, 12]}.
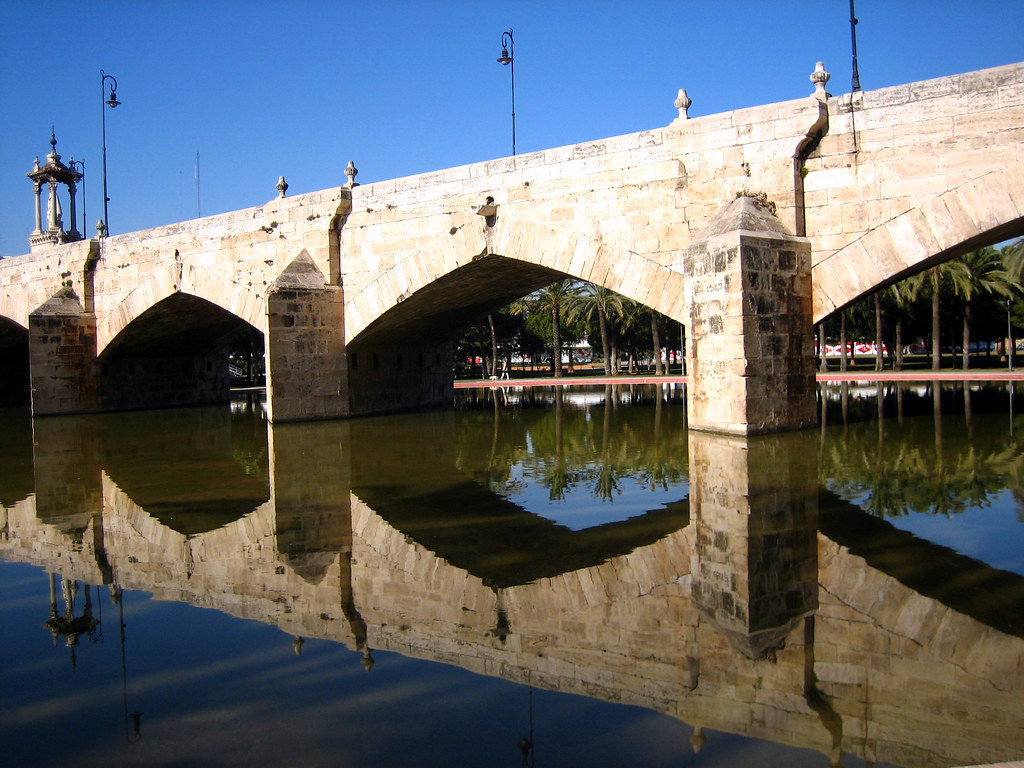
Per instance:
{"type": "Point", "coordinates": [970, 297]}
{"type": "Point", "coordinates": [547, 322]}
{"type": "Point", "coordinates": [977, 296]}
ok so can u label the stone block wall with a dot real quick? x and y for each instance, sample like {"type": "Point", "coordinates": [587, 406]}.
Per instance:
{"type": "Point", "coordinates": [750, 338]}
{"type": "Point", "coordinates": [400, 375]}
{"type": "Point", "coordinates": [164, 381]}
{"type": "Point", "coordinates": [305, 350]}
{"type": "Point", "coordinates": [62, 357]}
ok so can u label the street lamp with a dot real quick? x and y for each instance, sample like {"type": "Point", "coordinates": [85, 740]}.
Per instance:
{"type": "Point", "coordinates": [507, 44]}
{"type": "Point", "coordinates": [853, 36]}
{"type": "Point", "coordinates": [79, 167]}
{"type": "Point", "coordinates": [111, 102]}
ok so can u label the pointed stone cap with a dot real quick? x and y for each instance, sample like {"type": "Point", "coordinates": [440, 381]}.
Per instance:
{"type": "Point", "coordinates": [302, 274]}
{"type": "Point", "coordinates": [64, 302]}
{"type": "Point", "coordinates": [746, 214]}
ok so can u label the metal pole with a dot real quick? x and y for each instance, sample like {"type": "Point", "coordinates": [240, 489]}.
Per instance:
{"type": "Point", "coordinates": [508, 56]}
{"type": "Point", "coordinates": [853, 35]}
{"type": "Point", "coordinates": [112, 102]}
{"type": "Point", "coordinates": [79, 165]}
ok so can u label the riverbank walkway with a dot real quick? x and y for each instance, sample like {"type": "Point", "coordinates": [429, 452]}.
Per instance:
{"type": "Point", "coordinates": [980, 374]}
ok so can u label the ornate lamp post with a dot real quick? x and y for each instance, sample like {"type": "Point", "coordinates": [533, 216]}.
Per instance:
{"type": "Point", "coordinates": [78, 166]}
{"type": "Point", "coordinates": [508, 44]}
{"type": "Point", "coordinates": [111, 102]}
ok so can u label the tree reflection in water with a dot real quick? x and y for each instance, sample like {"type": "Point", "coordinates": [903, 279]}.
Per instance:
{"type": "Point", "coordinates": [756, 603]}
{"type": "Point", "coordinates": [954, 450]}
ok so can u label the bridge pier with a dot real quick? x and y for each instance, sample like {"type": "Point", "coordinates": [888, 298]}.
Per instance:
{"type": "Point", "coordinates": [62, 357]}
{"type": "Point", "coordinates": [750, 355]}
{"type": "Point", "coordinates": [305, 357]}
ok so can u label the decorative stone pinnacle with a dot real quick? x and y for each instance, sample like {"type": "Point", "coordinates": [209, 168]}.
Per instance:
{"type": "Point", "coordinates": [819, 77]}
{"type": "Point", "coordinates": [282, 186]}
{"type": "Point", "coordinates": [53, 157]}
{"type": "Point", "coordinates": [101, 228]}
{"type": "Point", "coordinates": [351, 171]}
{"type": "Point", "coordinates": [682, 103]}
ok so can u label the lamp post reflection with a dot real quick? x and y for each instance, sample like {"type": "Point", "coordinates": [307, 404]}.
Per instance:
{"type": "Point", "coordinates": [133, 733]}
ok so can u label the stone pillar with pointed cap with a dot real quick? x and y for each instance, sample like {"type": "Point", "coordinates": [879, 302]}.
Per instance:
{"type": "Point", "coordinates": [306, 364]}
{"type": "Point", "coordinates": [750, 345]}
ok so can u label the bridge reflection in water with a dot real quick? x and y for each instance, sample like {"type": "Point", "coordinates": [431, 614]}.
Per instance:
{"type": "Point", "coordinates": [748, 599]}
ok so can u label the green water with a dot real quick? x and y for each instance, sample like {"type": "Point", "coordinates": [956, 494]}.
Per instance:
{"type": "Point", "coordinates": [536, 577]}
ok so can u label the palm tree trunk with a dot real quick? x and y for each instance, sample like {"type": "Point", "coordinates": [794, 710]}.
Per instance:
{"type": "Point", "coordinates": [606, 349]}
{"type": "Point", "coordinates": [967, 335]}
{"type": "Point", "coordinates": [878, 330]}
{"type": "Point", "coordinates": [898, 352]}
{"type": "Point", "coordinates": [936, 331]}
{"type": "Point", "coordinates": [556, 340]}
{"type": "Point", "coordinates": [656, 338]}
{"type": "Point", "coordinates": [494, 345]}
{"type": "Point", "coordinates": [842, 341]}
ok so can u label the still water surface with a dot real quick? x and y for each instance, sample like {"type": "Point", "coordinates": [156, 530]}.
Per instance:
{"type": "Point", "coordinates": [539, 577]}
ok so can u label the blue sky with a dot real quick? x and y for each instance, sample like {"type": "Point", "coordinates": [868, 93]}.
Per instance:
{"type": "Point", "coordinates": [263, 88]}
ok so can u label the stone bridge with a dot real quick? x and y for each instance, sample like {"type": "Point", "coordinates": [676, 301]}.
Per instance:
{"type": "Point", "coordinates": [747, 227]}
{"type": "Point", "coordinates": [754, 613]}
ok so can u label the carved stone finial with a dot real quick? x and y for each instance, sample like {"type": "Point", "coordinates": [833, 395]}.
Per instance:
{"type": "Point", "coordinates": [819, 77]}
{"type": "Point", "coordinates": [351, 171]}
{"type": "Point", "coordinates": [282, 186]}
{"type": "Point", "coordinates": [682, 103]}
{"type": "Point", "coordinates": [53, 158]}
{"type": "Point", "coordinates": [101, 228]}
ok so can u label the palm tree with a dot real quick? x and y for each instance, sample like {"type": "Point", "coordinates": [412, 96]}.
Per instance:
{"type": "Point", "coordinates": [630, 318]}
{"type": "Point", "coordinates": [905, 293]}
{"type": "Point", "coordinates": [1013, 261]}
{"type": "Point", "coordinates": [935, 281]}
{"type": "Point", "coordinates": [972, 274]}
{"type": "Point", "coordinates": [939, 277]}
{"type": "Point", "coordinates": [878, 330]}
{"type": "Point", "coordinates": [553, 298]}
{"type": "Point", "coordinates": [605, 303]}
{"type": "Point", "coordinates": [656, 341]}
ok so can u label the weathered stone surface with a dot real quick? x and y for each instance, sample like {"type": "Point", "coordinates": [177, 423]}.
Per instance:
{"type": "Point", "coordinates": [901, 175]}
{"type": "Point", "coordinates": [749, 355]}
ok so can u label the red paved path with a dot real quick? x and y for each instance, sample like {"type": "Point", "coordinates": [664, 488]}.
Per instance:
{"type": "Point", "coordinates": [986, 374]}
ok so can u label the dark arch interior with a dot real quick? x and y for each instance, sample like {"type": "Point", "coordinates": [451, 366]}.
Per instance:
{"type": "Point", "coordinates": [175, 353]}
{"type": "Point", "coordinates": [439, 310]}
{"type": "Point", "coordinates": [14, 365]}
{"type": "Point", "coordinates": [181, 324]}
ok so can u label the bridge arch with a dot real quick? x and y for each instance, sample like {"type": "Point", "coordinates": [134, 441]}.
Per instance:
{"type": "Point", "coordinates": [213, 285]}
{"type": "Point", "coordinates": [478, 267]}
{"type": "Point", "coordinates": [985, 210]}
{"type": "Point", "coordinates": [14, 363]}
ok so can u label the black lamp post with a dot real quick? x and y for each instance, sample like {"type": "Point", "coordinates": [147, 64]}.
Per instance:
{"type": "Point", "coordinates": [508, 44]}
{"type": "Point", "coordinates": [853, 35]}
{"type": "Point", "coordinates": [78, 166]}
{"type": "Point", "coordinates": [111, 102]}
